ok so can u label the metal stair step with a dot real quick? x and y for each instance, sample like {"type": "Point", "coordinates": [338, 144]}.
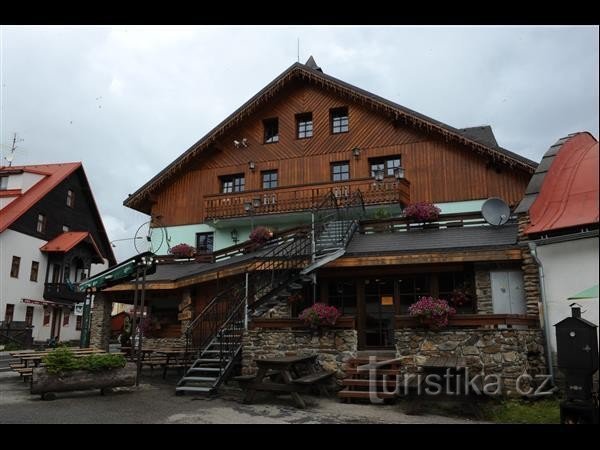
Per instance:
{"type": "Point", "coordinates": [193, 389]}
{"type": "Point", "coordinates": [200, 369]}
{"type": "Point", "coordinates": [198, 379]}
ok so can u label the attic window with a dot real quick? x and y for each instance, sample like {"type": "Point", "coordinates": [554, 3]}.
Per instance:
{"type": "Point", "coordinates": [339, 120]}
{"type": "Point", "coordinates": [304, 125]}
{"type": "Point", "coordinates": [271, 130]}
{"type": "Point", "coordinates": [70, 198]}
{"type": "Point", "coordinates": [3, 183]}
{"type": "Point", "coordinates": [41, 224]}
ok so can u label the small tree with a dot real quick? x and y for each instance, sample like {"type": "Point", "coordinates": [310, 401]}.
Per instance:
{"type": "Point", "coordinates": [183, 251]}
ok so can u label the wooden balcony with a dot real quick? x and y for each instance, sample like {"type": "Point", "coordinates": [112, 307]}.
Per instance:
{"type": "Point", "coordinates": [60, 291]}
{"type": "Point", "coordinates": [305, 197]}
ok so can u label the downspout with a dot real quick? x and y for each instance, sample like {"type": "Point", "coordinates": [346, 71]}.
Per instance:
{"type": "Point", "coordinates": [533, 251]}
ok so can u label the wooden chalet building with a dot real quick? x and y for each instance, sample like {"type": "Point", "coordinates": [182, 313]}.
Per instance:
{"type": "Point", "coordinates": [311, 148]}
{"type": "Point", "coordinates": [51, 237]}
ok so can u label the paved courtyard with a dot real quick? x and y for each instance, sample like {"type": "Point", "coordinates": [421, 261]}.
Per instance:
{"type": "Point", "coordinates": [155, 402]}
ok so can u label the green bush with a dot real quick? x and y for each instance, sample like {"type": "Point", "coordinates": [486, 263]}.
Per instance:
{"type": "Point", "coordinates": [64, 360]}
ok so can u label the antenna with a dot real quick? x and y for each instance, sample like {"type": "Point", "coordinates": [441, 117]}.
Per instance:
{"type": "Point", "coordinates": [495, 211]}
{"type": "Point", "coordinates": [298, 49]}
{"type": "Point", "coordinates": [11, 156]}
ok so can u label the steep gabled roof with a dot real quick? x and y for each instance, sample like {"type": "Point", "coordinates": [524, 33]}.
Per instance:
{"type": "Point", "coordinates": [563, 192]}
{"type": "Point", "coordinates": [53, 175]}
{"type": "Point", "coordinates": [313, 74]}
{"type": "Point", "coordinates": [68, 240]}
{"type": "Point", "coordinates": [483, 134]}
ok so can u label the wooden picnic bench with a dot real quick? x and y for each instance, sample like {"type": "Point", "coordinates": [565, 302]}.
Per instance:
{"type": "Point", "coordinates": [282, 375]}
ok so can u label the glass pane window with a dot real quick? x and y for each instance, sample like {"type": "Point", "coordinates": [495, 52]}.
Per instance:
{"type": "Point", "coordinates": [232, 183]}
{"type": "Point", "coordinates": [342, 295]}
{"type": "Point", "coordinates": [8, 314]}
{"type": "Point", "coordinates": [340, 171]}
{"type": "Point", "coordinates": [14, 268]}
{"type": "Point", "coordinates": [269, 179]}
{"type": "Point", "coordinates": [392, 164]}
{"type": "Point", "coordinates": [376, 166]}
{"type": "Point", "coordinates": [34, 271]}
{"type": "Point", "coordinates": [29, 316]}
{"type": "Point", "coordinates": [204, 242]}
{"type": "Point", "coordinates": [411, 289]}
{"type": "Point", "coordinates": [41, 223]}
{"type": "Point", "coordinates": [3, 183]}
{"type": "Point", "coordinates": [271, 130]}
{"type": "Point", "coordinates": [70, 198]}
{"type": "Point", "coordinates": [339, 120]}
{"type": "Point", "coordinates": [304, 126]}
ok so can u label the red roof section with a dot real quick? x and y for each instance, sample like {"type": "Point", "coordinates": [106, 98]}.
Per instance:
{"type": "Point", "coordinates": [66, 241]}
{"type": "Point", "coordinates": [53, 175]}
{"type": "Point", "coordinates": [569, 194]}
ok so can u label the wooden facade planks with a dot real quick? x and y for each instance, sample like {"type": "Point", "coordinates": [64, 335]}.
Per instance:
{"type": "Point", "coordinates": [437, 171]}
{"type": "Point", "coordinates": [472, 255]}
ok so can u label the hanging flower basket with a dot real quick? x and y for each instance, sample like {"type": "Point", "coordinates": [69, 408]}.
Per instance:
{"type": "Point", "coordinates": [432, 312]}
{"type": "Point", "coordinates": [421, 212]}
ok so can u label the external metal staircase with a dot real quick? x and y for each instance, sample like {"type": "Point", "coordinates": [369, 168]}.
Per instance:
{"type": "Point", "coordinates": [279, 272]}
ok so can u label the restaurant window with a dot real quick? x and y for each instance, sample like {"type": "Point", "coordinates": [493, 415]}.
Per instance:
{"type": "Point", "coordinates": [458, 289]}
{"type": "Point", "coordinates": [269, 179]}
{"type": "Point", "coordinates": [41, 223]}
{"type": "Point", "coordinates": [78, 320]}
{"type": "Point", "coordinates": [304, 125]}
{"type": "Point", "coordinates": [342, 295]}
{"type": "Point", "coordinates": [411, 288]}
{"type": "Point", "coordinates": [9, 312]}
{"type": "Point", "coordinates": [70, 198]}
{"type": "Point", "coordinates": [204, 242]}
{"type": "Point", "coordinates": [14, 268]}
{"type": "Point", "coordinates": [340, 171]}
{"type": "Point", "coordinates": [47, 314]}
{"type": "Point", "coordinates": [232, 183]}
{"type": "Point", "coordinates": [33, 276]}
{"type": "Point", "coordinates": [339, 120]}
{"type": "Point", "coordinates": [29, 316]}
{"type": "Point", "coordinates": [3, 183]}
{"type": "Point", "coordinates": [66, 317]}
{"type": "Point", "coordinates": [271, 130]}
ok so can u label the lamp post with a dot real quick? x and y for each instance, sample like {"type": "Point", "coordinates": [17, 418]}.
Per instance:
{"type": "Point", "coordinates": [250, 207]}
{"type": "Point", "coordinates": [234, 236]}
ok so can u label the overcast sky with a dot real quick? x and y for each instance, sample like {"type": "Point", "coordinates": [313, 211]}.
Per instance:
{"type": "Point", "coordinates": [127, 100]}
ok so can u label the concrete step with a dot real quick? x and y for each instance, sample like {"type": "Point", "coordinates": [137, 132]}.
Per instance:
{"type": "Point", "coordinates": [193, 389]}
{"type": "Point", "coordinates": [198, 379]}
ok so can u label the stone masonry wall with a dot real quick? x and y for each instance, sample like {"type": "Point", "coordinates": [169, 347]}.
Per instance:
{"type": "Point", "coordinates": [100, 322]}
{"type": "Point", "coordinates": [483, 290]}
{"type": "Point", "coordinates": [531, 278]}
{"type": "Point", "coordinates": [149, 342]}
{"type": "Point", "coordinates": [334, 347]}
{"type": "Point", "coordinates": [506, 353]}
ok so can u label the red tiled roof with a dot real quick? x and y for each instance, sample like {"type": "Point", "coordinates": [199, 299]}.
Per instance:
{"type": "Point", "coordinates": [53, 175]}
{"type": "Point", "coordinates": [66, 241]}
{"type": "Point", "coordinates": [569, 194]}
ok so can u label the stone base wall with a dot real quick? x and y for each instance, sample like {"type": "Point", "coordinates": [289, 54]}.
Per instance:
{"type": "Point", "coordinates": [100, 322]}
{"type": "Point", "coordinates": [505, 353]}
{"type": "Point", "coordinates": [163, 342]}
{"type": "Point", "coordinates": [334, 347]}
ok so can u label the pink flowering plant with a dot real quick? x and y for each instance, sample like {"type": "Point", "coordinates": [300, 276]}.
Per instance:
{"type": "Point", "coordinates": [260, 235]}
{"type": "Point", "coordinates": [422, 212]}
{"type": "Point", "coordinates": [434, 309]}
{"type": "Point", "coordinates": [320, 315]}
{"type": "Point", "coordinates": [183, 251]}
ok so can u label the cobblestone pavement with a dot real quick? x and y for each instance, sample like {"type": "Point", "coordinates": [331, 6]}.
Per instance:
{"type": "Point", "coordinates": [154, 401]}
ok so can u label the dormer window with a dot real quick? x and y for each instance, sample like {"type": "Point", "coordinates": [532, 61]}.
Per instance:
{"type": "Point", "coordinates": [339, 120]}
{"type": "Point", "coordinates": [3, 183]}
{"type": "Point", "coordinates": [70, 198]}
{"type": "Point", "coordinates": [271, 130]}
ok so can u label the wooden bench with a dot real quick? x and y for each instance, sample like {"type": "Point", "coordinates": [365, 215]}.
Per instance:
{"type": "Point", "coordinates": [317, 379]}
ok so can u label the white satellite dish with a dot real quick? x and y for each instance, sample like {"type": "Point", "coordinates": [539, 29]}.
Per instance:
{"type": "Point", "coordinates": [495, 211]}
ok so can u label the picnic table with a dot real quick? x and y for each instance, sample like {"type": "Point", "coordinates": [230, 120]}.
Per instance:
{"type": "Point", "coordinates": [175, 358]}
{"type": "Point", "coordinates": [284, 375]}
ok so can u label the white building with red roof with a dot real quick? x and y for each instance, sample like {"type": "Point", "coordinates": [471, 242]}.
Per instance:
{"type": "Point", "coordinates": [51, 237]}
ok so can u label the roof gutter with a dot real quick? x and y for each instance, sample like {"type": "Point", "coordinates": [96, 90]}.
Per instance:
{"type": "Point", "coordinates": [533, 250]}
{"type": "Point", "coordinates": [566, 237]}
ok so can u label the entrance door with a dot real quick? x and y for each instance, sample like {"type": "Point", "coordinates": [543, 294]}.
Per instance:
{"type": "Point", "coordinates": [508, 296]}
{"type": "Point", "coordinates": [379, 313]}
{"type": "Point", "coordinates": [56, 317]}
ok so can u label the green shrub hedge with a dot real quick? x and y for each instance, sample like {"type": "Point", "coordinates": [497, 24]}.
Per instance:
{"type": "Point", "coordinates": [64, 360]}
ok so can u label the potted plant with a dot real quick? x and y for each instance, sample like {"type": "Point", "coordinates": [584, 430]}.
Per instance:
{"type": "Point", "coordinates": [421, 212]}
{"type": "Point", "coordinates": [319, 316]}
{"type": "Point", "coordinates": [382, 214]}
{"type": "Point", "coordinates": [432, 311]}
{"type": "Point", "coordinates": [183, 251]}
{"type": "Point", "coordinates": [63, 371]}
{"type": "Point", "coordinates": [260, 235]}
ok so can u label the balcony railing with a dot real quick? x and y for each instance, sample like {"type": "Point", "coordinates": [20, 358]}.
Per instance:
{"type": "Point", "coordinates": [61, 291]}
{"type": "Point", "coordinates": [305, 197]}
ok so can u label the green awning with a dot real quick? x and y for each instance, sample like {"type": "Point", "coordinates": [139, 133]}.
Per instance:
{"type": "Point", "coordinates": [122, 272]}
{"type": "Point", "coordinates": [588, 293]}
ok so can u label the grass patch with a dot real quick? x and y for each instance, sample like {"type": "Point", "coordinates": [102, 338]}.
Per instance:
{"type": "Point", "coordinates": [523, 411]}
